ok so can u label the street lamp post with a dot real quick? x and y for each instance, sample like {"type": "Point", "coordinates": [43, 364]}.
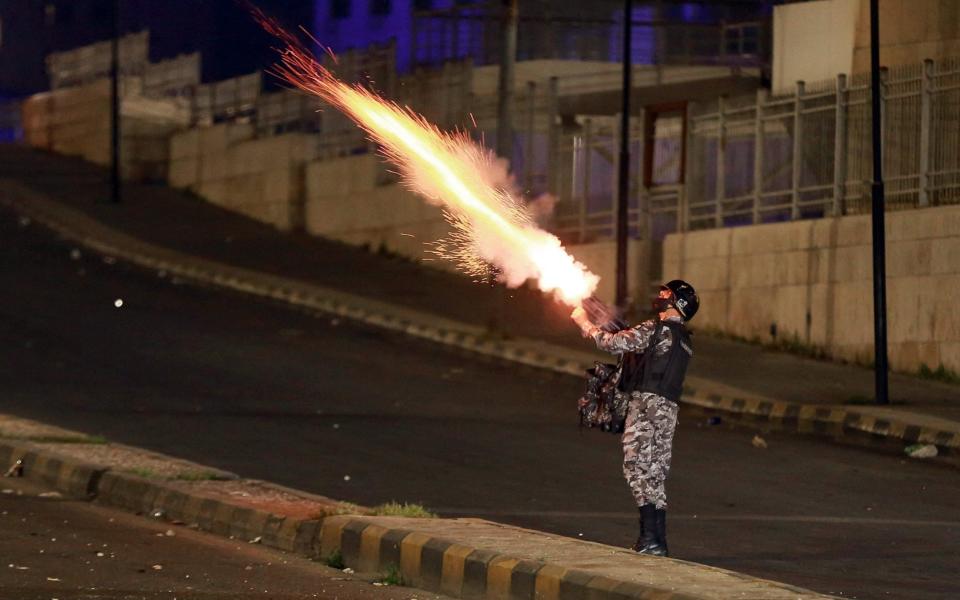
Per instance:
{"type": "Point", "coordinates": [879, 234]}
{"type": "Point", "coordinates": [115, 105]}
{"type": "Point", "coordinates": [505, 96]}
{"type": "Point", "coordinates": [623, 177]}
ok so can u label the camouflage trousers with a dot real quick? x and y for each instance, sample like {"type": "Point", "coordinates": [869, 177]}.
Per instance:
{"type": "Point", "coordinates": [647, 447]}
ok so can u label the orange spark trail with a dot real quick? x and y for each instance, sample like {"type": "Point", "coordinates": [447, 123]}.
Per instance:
{"type": "Point", "coordinates": [491, 226]}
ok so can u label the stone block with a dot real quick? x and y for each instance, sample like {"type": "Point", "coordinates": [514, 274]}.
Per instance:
{"type": "Point", "coordinates": [853, 263]}
{"type": "Point", "coordinates": [184, 172]}
{"type": "Point", "coordinates": [903, 309]}
{"type": "Point", "coordinates": [824, 233]}
{"type": "Point", "coordinates": [790, 311]}
{"type": "Point", "coordinates": [822, 320]}
{"type": "Point", "coordinates": [911, 356]}
{"type": "Point", "coordinates": [945, 314]}
{"type": "Point", "coordinates": [706, 243]}
{"type": "Point", "coordinates": [213, 167]}
{"type": "Point", "coordinates": [282, 184]}
{"type": "Point", "coordinates": [950, 355]}
{"type": "Point", "coordinates": [342, 176]}
{"type": "Point", "coordinates": [247, 191]}
{"type": "Point", "coordinates": [185, 144]}
{"type": "Point", "coordinates": [713, 310]}
{"type": "Point", "coordinates": [245, 158]}
{"type": "Point", "coordinates": [214, 192]}
{"type": "Point", "coordinates": [908, 258]}
{"type": "Point", "coordinates": [854, 231]}
{"type": "Point", "coordinates": [704, 274]}
{"type": "Point", "coordinates": [671, 249]}
{"type": "Point", "coordinates": [945, 254]}
{"type": "Point", "coordinates": [853, 309]}
{"type": "Point", "coordinates": [776, 237]}
{"type": "Point", "coordinates": [794, 267]}
{"type": "Point", "coordinates": [751, 311]}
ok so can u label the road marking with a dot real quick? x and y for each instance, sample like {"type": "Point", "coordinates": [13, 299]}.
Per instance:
{"type": "Point", "coordinates": [463, 512]}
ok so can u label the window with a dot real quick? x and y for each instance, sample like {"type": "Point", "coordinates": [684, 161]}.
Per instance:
{"type": "Point", "coordinates": [339, 9]}
{"type": "Point", "coordinates": [379, 7]}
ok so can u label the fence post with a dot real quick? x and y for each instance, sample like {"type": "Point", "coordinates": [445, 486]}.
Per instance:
{"type": "Point", "coordinates": [615, 126]}
{"type": "Point", "coordinates": [689, 168]}
{"type": "Point", "coordinates": [923, 198]}
{"type": "Point", "coordinates": [530, 123]}
{"type": "Point", "coordinates": [797, 151]}
{"type": "Point", "coordinates": [721, 161]}
{"type": "Point", "coordinates": [840, 149]}
{"type": "Point", "coordinates": [758, 154]}
{"type": "Point", "coordinates": [587, 159]}
{"type": "Point", "coordinates": [553, 142]}
{"type": "Point", "coordinates": [884, 74]}
{"type": "Point", "coordinates": [644, 213]}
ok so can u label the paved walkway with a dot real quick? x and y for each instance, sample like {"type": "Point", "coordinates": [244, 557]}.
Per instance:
{"type": "Point", "coordinates": [182, 222]}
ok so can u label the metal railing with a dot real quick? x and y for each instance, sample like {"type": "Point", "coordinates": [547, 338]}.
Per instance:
{"type": "Point", "coordinates": [808, 154]}
{"type": "Point", "coordinates": [762, 158]}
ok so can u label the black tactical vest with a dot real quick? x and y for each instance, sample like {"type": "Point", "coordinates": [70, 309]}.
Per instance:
{"type": "Point", "coordinates": [659, 374]}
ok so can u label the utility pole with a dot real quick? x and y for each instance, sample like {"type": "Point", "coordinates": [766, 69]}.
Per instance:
{"type": "Point", "coordinates": [115, 105]}
{"type": "Point", "coordinates": [879, 233]}
{"type": "Point", "coordinates": [508, 59]}
{"type": "Point", "coordinates": [623, 179]}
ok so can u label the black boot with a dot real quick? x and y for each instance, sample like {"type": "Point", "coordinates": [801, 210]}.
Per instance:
{"type": "Point", "coordinates": [648, 543]}
{"type": "Point", "coordinates": [662, 530]}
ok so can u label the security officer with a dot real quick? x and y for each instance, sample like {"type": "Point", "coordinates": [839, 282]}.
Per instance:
{"type": "Point", "coordinates": [653, 363]}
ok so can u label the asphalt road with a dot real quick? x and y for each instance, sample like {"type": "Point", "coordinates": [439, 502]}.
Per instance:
{"type": "Point", "coordinates": [54, 547]}
{"type": "Point", "coordinates": [368, 416]}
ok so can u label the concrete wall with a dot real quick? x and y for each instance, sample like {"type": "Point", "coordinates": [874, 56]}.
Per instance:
{"type": "Point", "coordinates": [813, 281]}
{"type": "Point", "coordinates": [601, 259]}
{"type": "Point", "coordinates": [813, 41]}
{"type": "Point", "coordinates": [910, 31]}
{"type": "Point", "coordinates": [486, 78]}
{"type": "Point", "coordinates": [76, 121]}
{"type": "Point", "coordinates": [260, 178]}
{"type": "Point", "coordinates": [345, 202]}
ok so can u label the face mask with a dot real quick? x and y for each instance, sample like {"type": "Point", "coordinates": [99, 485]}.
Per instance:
{"type": "Point", "coordinates": [661, 304]}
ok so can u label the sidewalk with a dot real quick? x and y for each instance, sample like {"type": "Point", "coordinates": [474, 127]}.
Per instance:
{"type": "Point", "coordinates": [165, 228]}
{"type": "Point", "coordinates": [472, 559]}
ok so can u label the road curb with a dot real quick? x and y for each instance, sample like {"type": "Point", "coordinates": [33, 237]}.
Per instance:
{"type": "Point", "coordinates": [461, 567]}
{"type": "Point", "coordinates": [446, 567]}
{"type": "Point", "coordinates": [835, 421]}
{"type": "Point", "coordinates": [800, 418]}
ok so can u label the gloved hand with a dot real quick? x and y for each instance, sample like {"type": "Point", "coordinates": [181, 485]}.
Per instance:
{"type": "Point", "coordinates": [580, 317]}
{"type": "Point", "coordinates": [594, 314]}
{"type": "Point", "coordinates": [603, 316]}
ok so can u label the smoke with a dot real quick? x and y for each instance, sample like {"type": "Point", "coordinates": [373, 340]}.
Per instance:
{"type": "Point", "coordinates": [491, 224]}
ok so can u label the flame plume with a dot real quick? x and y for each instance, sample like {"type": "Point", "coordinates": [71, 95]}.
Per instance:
{"type": "Point", "coordinates": [491, 225]}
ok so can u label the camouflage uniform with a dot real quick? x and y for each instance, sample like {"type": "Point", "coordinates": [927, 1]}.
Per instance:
{"type": "Point", "coordinates": [651, 419]}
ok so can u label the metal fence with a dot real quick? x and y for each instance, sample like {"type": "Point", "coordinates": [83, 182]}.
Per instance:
{"type": "Point", "coordinates": [809, 154]}
{"type": "Point", "coordinates": [88, 63]}
{"type": "Point", "coordinates": [763, 158]}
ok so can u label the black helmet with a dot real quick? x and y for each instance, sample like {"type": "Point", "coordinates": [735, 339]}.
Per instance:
{"type": "Point", "coordinates": [685, 298]}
